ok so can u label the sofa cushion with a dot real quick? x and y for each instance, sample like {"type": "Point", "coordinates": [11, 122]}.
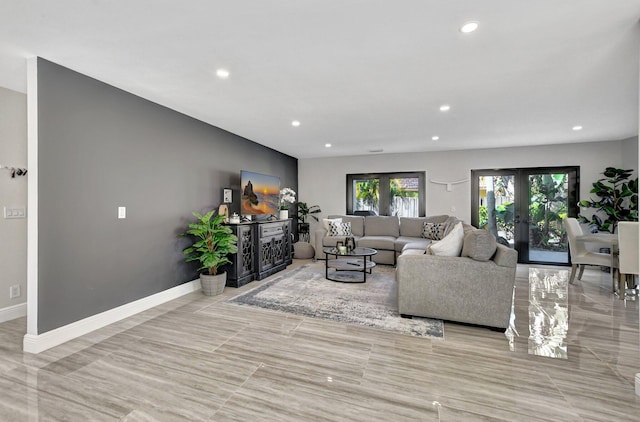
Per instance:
{"type": "Point", "coordinates": [339, 229]}
{"type": "Point", "coordinates": [357, 223]}
{"type": "Point", "coordinates": [433, 231]}
{"type": "Point", "coordinates": [479, 245]}
{"type": "Point", "coordinates": [414, 252]}
{"type": "Point", "coordinates": [451, 245]}
{"type": "Point", "coordinates": [403, 243]}
{"type": "Point", "coordinates": [378, 242]}
{"type": "Point", "coordinates": [411, 226]}
{"type": "Point", "coordinates": [381, 226]}
{"type": "Point", "coordinates": [326, 221]}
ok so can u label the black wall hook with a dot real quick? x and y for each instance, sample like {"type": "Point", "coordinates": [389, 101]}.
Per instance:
{"type": "Point", "coordinates": [14, 171]}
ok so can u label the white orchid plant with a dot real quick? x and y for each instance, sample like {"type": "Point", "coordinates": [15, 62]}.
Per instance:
{"type": "Point", "coordinates": [287, 196]}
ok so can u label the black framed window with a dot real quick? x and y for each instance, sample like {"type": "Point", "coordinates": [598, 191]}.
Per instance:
{"type": "Point", "coordinates": [399, 193]}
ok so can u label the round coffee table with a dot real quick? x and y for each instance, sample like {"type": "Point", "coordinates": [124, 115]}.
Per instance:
{"type": "Point", "coordinates": [356, 260]}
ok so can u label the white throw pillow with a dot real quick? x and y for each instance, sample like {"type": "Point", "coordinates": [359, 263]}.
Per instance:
{"type": "Point", "coordinates": [326, 221]}
{"type": "Point", "coordinates": [452, 243]}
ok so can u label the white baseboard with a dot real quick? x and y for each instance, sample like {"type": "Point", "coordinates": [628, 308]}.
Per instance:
{"type": "Point", "coordinates": [13, 312]}
{"type": "Point", "coordinates": [41, 342]}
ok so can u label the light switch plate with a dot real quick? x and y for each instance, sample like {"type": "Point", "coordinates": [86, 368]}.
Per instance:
{"type": "Point", "coordinates": [227, 196]}
{"type": "Point", "coordinates": [122, 212]}
{"type": "Point", "coordinates": [18, 212]}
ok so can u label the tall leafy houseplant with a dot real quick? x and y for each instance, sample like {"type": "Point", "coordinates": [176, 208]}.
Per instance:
{"type": "Point", "coordinates": [213, 243]}
{"type": "Point", "coordinates": [547, 210]}
{"type": "Point", "coordinates": [617, 199]}
{"type": "Point", "coordinates": [305, 211]}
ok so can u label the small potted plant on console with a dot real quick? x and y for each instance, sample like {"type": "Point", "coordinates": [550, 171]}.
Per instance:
{"type": "Point", "coordinates": [213, 243]}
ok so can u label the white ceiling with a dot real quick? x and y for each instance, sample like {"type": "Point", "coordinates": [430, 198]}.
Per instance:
{"type": "Point", "coordinates": [362, 75]}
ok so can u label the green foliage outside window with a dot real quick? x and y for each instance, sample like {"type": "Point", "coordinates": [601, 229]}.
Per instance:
{"type": "Point", "coordinates": [368, 192]}
{"type": "Point", "coordinates": [504, 219]}
{"type": "Point", "coordinates": [547, 210]}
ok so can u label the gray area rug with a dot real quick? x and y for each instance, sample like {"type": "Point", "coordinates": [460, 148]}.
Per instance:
{"type": "Point", "coordinates": [304, 291]}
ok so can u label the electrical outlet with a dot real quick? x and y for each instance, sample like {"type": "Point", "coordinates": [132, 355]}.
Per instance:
{"type": "Point", "coordinates": [14, 291]}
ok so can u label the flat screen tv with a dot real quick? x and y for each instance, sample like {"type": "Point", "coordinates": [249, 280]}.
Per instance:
{"type": "Point", "coordinates": [260, 193]}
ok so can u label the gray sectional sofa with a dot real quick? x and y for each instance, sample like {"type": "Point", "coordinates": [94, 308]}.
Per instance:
{"type": "Point", "coordinates": [388, 235]}
{"type": "Point", "coordinates": [460, 289]}
{"type": "Point", "coordinates": [475, 287]}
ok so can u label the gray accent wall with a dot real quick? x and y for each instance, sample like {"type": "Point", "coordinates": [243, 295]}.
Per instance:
{"type": "Point", "coordinates": [100, 148]}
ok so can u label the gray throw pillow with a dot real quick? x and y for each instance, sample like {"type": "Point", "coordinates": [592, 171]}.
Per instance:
{"type": "Point", "coordinates": [479, 245]}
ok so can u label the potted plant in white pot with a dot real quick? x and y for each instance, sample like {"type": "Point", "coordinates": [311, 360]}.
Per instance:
{"type": "Point", "coordinates": [213, 243]}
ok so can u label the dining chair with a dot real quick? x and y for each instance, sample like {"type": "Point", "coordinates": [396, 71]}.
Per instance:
{"type": "Point", "coordinates": [628, 260]}
{"type": "Point", "coordinates": [580, 255]}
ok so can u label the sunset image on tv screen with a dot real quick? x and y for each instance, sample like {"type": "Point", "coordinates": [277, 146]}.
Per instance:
{"type": "Point", "coordinates": [260, 193]}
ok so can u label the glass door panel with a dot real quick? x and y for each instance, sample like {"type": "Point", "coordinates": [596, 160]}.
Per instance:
{"type": "Point", "coordinates": [403, 197]}
{"type": "Point", "coordinates": [496, 206]}
{"type": "Point", "coordinates": [548, 207]}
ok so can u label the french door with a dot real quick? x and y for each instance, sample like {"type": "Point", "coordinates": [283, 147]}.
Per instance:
{"type": "Point", "coordinates": [524, 208]}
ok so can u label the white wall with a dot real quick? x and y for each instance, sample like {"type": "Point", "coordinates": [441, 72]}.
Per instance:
{"type": "Point", "coordinates": [630, 154]}
{"type": "Point", "coordinates": [13, 193]}
{"type": "Point", "coordinates": [322, 181]}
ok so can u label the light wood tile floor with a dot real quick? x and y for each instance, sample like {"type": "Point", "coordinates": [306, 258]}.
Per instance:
{"type": "Point", "coordinates": [199, 359]}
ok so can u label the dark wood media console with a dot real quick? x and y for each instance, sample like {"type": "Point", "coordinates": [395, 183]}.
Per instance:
{"type": "Point", "coordinates": [264, 248]}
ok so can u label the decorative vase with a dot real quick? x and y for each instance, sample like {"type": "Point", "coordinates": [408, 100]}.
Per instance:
{"type": "Point", "coordinates": [284, 214]}
{"type": "Point", "coordinates": [213, 285]}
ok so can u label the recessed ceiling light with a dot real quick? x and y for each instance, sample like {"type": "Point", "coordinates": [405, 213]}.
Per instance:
{"type": "Point", "coordinates": [327, 145]}
{"type": "Point", "coordinates": [445, 107]}
{"type": "Point", "coordinates": [222, 73]}
{"type": "Point", "coordinates": [295, 123]}
{"type": "Point", "coordinates": [435, 138]}
{"type": "Point", "coordinates": [469, 27]}
{"type": "Point", "coordinates": [577, 127]}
